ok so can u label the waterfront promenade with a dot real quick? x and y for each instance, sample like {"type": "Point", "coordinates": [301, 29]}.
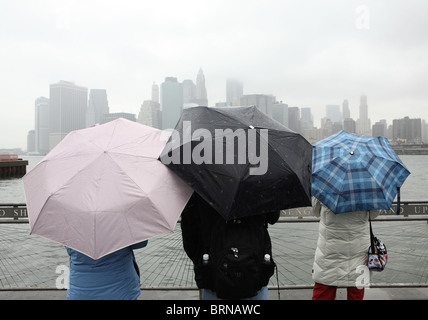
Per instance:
{"type": "Point", "coordinates": [31, 267]}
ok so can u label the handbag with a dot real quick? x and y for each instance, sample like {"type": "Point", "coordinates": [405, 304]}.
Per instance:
{"type": "Point", "coordinates": [377, 253]}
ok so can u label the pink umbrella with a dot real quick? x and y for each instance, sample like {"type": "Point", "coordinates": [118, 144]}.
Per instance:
{"type": "Point", "coordinates": [103, 188]}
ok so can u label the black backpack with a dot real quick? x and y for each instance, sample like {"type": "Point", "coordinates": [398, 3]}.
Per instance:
{"type": "Point", "coordinates": [237, 267]}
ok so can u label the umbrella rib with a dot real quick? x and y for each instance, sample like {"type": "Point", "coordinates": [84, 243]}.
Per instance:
{"type": "Point", "coordinates": [65, 182]}
{"type": "Point", "coordinates": [148, 134]}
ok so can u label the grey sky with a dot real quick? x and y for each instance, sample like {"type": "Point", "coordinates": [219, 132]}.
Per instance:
{"type": "Point", "coordinates": [307, 53]}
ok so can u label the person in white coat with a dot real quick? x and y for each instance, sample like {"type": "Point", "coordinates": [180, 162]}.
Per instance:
{"type": "Point", "coordinates": [342, 246]}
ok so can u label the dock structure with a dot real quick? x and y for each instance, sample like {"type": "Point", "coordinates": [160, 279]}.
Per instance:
{"type": "Point", "coordinates": [11, 166]}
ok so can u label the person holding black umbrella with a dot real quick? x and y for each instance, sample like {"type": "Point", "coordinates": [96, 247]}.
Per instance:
{"type": "Point", "coordinates": [244, 167]}
{"type": "Point", "coordinates": [232, 259]}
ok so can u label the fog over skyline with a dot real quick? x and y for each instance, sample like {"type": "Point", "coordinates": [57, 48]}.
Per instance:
{"type": "Point", "coordinates": [306, 53]}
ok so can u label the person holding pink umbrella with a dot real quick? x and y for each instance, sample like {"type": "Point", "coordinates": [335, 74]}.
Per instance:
{"type": "Point", "coordinates": [101, 193]}
{"type": "Point", "coordinates": [115, 276]}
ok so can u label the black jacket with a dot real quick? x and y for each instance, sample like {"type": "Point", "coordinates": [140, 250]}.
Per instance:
{"type": "Point", "coordinates": [197, 221]}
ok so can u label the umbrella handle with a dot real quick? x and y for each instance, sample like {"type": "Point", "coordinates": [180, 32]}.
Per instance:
{"type": "Point", "coordinates": [398, 200]}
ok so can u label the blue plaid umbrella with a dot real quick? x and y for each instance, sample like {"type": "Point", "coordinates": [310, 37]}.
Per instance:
{"type": "Point", "coordinates": [352, 172]}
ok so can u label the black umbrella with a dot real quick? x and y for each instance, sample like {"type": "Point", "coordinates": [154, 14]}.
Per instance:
{"type": "Point", "coordinates": [240, 161]}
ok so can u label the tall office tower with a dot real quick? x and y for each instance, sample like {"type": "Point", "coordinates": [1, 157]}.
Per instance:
{"type": "Point", "coordinates": [379, 129]}
{"type": "Point", "coordinates": [363, 123]}
{"type": "Point", "coordinates": [150, 114]}
{"type": "Point", "coordinates": [155, 92]}
{"type": "Point", "coordinates": [234, 92]}
{"type": "Point", "coordinates": [349, 125]}
{"type": "Point", "coordinates": [189, 92]}
{"type": "Point", "coordinates": [333, 113]}
{"type": "Point", "coordinates": [41, 125]}
{"type": "Point", "coordinates": [294, 119]}
{"type": "Point", "coordinates": [346, 112]}
{"type": "Point", "coordinates": [67, 110]}
{"type": "Point", "coordinates": [31, 143]}
{"type": "Point", "coordinates": [262, 101]}
{"type": "Point", "coordinates": [407, 130]}
{"type": "Point", "coordinates": [171, 102]}
{"type": "Point", "coordinates": [97, 106]}
{"type": "Point", "coordinates": [280, 112]}
{"type": "Point", "coordinates": [201, 90]}
{"type": "Point", "coordinates": [306, 120]}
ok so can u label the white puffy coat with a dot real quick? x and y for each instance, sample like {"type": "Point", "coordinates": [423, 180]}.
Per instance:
{"type": "Point", "coordinates": [343, 242]}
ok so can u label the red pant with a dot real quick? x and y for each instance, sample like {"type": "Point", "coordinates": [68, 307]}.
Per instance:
{"type": "Point", "coordinates": [323, 292]}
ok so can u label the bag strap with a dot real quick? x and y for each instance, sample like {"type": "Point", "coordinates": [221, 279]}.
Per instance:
{"type": "Point", "coordinates": [371, 234]}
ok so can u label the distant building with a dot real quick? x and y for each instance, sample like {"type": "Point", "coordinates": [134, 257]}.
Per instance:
{"type": "Point", "coordinates": [363, 122]}
{"type": "Point", "coordinates": [113, 116]}
{"type": "Point", "coordinates": [407, 130]}
{"type": "Point", "coordinates": [333, 113]}
{"type": "Point", "coordinates": [262, 101]}
{"type": "Point", "coordinates": [41, 125]}
{"type": "Point", "coordinates": [67, 110]}
{"type": "Point", "coordinates": [280, 113]}
{"type": "Point", "coordinates": [97, 106]}
{"type": "Point", "coordinates": [31, 141]}
{"type": "Point", "coordinates": [234, 92]}
{"type": "Point", "coordinates": [294, 119]}
{"type": "Point", "coordinates": [189, 91]}
{"type": "Point", "coordinates": [155, 92]}
{"type": "Point", "coordinates": [349, 125]}
{"type": "Point", "coordinates": [306, 119]}
{"type": "Point", "coordinates": [150, 114]}
{"type": "Point", "coordinates": [171, 102]}
{"type": "Point", "coordinates": [379, 129]}
{"type": "Point", "coordinates": [346, 112]}
{"type": "Point", "coordinates": [201, 90]}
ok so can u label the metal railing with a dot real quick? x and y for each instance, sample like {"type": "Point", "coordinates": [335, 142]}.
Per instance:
{"type": "Point", "coordinates": [410, 211]}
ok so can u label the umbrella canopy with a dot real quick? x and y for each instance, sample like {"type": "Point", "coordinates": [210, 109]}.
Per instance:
{"type": "Point", "coordinates": [102, 188]}
{"type": "Point", "coordinates": [240, 161]}
{"type": "Point", "coordinates": [352, 172]}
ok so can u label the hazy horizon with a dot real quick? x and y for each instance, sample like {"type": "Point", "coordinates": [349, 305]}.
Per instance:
{"type": "Point", "coordinates": [305, 53]}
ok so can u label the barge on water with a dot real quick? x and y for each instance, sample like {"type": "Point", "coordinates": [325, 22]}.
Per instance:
{"type": "Point", "coordinates": [12, 167]}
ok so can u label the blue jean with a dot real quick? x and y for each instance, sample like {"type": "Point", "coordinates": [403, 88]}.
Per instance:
{"type": "Point", "coordinates": [262, 294]}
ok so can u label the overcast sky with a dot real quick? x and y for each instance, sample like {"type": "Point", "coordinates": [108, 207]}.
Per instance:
{"type": "Point", "coordinates": [307, 53]}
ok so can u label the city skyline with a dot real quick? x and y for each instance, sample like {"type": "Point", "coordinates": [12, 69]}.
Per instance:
{"type": "Point", "coordinates": [333, 113]}
{"type": "Point", "coordinates": [306, 54]}
{"type": "Point", "coordinates": [69, 108]}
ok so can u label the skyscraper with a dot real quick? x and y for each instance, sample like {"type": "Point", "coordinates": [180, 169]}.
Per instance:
{"type": "Point", "coordinates": [97, 107]}
{"type": "Point", "coordinates": [346, 112]}
{"type": "Point", "coordinates": [41, 125]}
{"type": "Point", "coordinates": [294, 119]}
{"type": "Point", "coordinates": [155, 92]}
{"type": "Point", "coordinates": [189, 92]}
{"type": "Point", "coordinates": [234, 92]}
{"type": "Point", "coordinates": [363, 123]}
{"type": "Point", "coordinates": [407, 130]}
{"type": "Point", "coordinates": [67, 110]}
{"type": "Point", "coordinates": [171, 102]}
{"type": "Point", "coordinates": [262, 101]}
{"type": "Point", "coordinates": [201, 91]}
{"type": "Point", "coordinates": [150, 114]}
{"type": "Point", "coordinates": [280, 112]}
{"type": "Point", "coordinates": [349, 125]}
{"type": "Point", "coordinates": [306, 120]}
{"type": "Point", "coordinates": [333, 113]}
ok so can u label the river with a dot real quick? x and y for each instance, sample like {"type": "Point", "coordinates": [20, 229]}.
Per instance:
{"type": "Point", "coordinates": [415, 187]}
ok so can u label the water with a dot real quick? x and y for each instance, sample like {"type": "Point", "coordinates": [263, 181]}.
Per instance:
{"type": "Point", "coordinates": [415, 187]}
